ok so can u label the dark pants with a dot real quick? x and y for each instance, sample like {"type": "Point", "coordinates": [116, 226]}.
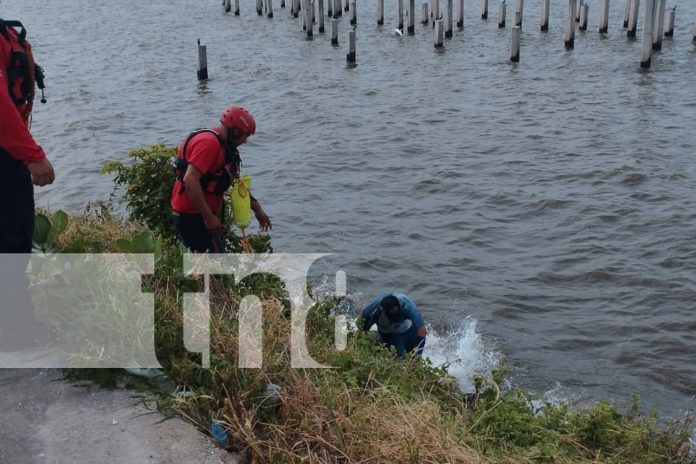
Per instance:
{"type": "Point", "coordinates": [193, 234]}
{"type": "Point", "coordinates": [404, 342]}
{"type": "Point", "coordinates": [17, 322]}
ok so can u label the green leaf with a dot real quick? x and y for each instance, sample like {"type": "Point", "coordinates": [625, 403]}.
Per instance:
{"type": "Point", "coordinates": [42, 226]}
{"type": "Point", "coordinates": [58, 225]}
{"type": "Point", "coordinates": [143, 243]}
{"type": "Point", "coordinates": [124, 246]}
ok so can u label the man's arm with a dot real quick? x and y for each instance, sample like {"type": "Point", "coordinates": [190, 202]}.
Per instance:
{"type": "Point", "coordinates": [192, 181]}
{"type": "Point", "coordinates": [15, 137]}
{"type": "Point", "coordinates": [261, 216]}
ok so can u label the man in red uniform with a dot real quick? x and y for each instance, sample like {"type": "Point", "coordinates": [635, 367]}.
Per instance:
{"type": "Point", "coordinates": [22, 163]}
{"type": "Point", "coordinates": [207, 162]}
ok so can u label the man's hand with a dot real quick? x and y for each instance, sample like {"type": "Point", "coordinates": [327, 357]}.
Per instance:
{"type": "Point", "coordinates": [421, 332]}
{"type": "Point", "coordinates": [264, 220]}
{"type": "Point", "coordinates": [41, 173]}
{"type": "Point", "coordinates": [214, 225]}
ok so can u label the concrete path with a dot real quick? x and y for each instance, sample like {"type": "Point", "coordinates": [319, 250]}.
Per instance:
{"type": "Point", "coordinates": [45, 420]}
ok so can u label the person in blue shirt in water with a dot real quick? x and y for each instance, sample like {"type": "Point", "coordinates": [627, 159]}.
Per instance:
{"type": "Point", "coordinates": [399, 322]}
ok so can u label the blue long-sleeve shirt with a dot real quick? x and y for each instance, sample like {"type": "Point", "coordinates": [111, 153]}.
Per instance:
{"type": "Point", "coordinates": [372, 315]}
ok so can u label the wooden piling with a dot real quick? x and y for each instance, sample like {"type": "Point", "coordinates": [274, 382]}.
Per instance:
{"type": "Point", "coordinates": [448, 20]}
{"type": "Point", "coordinates": [334, 31]}
{"type": "Point", "coordinates": [400, 15]}
{"type": "Point", "coordinates": [439, 33]}
{"type": "Point", "coordinates": [694, 32]}
{"type": "Point", "coordinates": [424, 14]}
{"type": "Point", "coordinates": [308, 14]}
{"type": "Point", "coordinates": [460, 14]}
{"type": "Point", "coordinates": [321, 16]}
{"type": "Point", "coordinates": [627, 13]}
{"type": "Point", "coordinates": [570, 26]}
{"type": "Point", "coordinates": [411, 17]}
{"type": "Point", "coordinates": [202, 72]}
{"type": "Point", "coordinates": [501, 15]}
{"type": "Point", "coordinates": [646, 51]}
{"type": "Point", "coordinates": [228, 5]}
{"type": "Point", "coordinates": [259, 7]}
{"type": "Point", "coordinates": [350, 57]}
{"type": "Point", "coordinates": [604, 17]}
{"type": "Point", "coordinates": [517, 22]}
{"type": "Point", "coordinates": [353, 14]}
{"type": "Point", "coordinates": [515, 43]}
{"type": "Point", "coordinates": [484, 13]}
{"type": "Point", "coordinates": [633, 18]}
{"type": "Point", "coordinates": [380, 12]}
{"type": "Point", "coordinates": [347, 5]}
{"type": "Point", "coordinates": [577, 15]}
{"type": "Point", "coordinates": [659, 24]}
{"type": "Point", "coordinates": [583, 17]}
{"type": "Point", "coordinates": [669, 30]}
{"type": "Point", "coordinates": [520, 8]}
{"type": "Point", "coordinates": [337, 10]}
{"type": "Point", "coordinates": [545, 15]}
{"type": "Point", "coordinates": [436, 11]}
{"type": "Point", "coordinates": [269, 8]}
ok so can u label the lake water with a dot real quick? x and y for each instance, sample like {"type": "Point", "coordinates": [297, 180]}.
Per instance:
{"type": "Point", "coordinates": [549, 205]}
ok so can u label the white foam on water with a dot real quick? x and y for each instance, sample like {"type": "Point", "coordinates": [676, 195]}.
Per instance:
{"type": "Point", "coordinates": [463, 352]}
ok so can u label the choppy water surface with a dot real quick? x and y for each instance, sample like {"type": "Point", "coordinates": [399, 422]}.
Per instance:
{"type": "Point", "coordinates": [551, 201]}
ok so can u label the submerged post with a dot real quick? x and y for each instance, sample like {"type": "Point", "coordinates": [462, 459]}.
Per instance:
{"type": "Point", "coordinates": [400, 15]}
{"type": "Point", "coordinates": [545, 4]}
{"type": "Point", "coordinates": [411, 16]}
{"type": "Point", "coordinates": [350, 57]}
{"type": "Point", "coordinates": [520, 8]}
{"type": "Point", "coordinates": [236, 7]}
{"type": "Point", "coordinates": [517, 22]}
{"type": "Point", "coordinates": [269, 8]}
{"type": "Point", "coordinates": [515, 44]}
{"type": "Point", "coordinates": [424, 14]}
{"type": "Point", "coordinates": [659, 25]}
{"type": "Point", "coordinates": [334, 32]}
{"type": "Point", "coordinates": [669, 32]}
{"type": "Point", "coordinates": [646, 51]}
{"type": "Point", "coordinates": [580, 5]}
{"type": "Point", "coordinates": [501, 15]}
{"type": "Point", "coordinates": [484, 13]}
{"type": "Point", "coordinates": [259, 7]}
{"type": "Point", "coordinates": [439, 33]}
{"type": "Point", "coordinates": [380, 12]}
{"type": "Point", "coordinates": [202, 62]}
{"type": "Point", "coordinates": [627, 13]}
{"type": "Point", "coordinates": [604, 17]}
{"type": "Point", "coordinates": [570, 26]}
{"type": "Point", "coordinates": [460, 14]}
{"type": "Point", "coordinates": [228, 5]}
{"type": "Point", "coordinates": [633, 18]}
{"type": "Point", "coordinates": [321, 16]}
{"type": "Point", "coordinates": [448, 20]}
{"type": "Point", "coordinates": [347, 5]}
{"type": "Point", "coordinates": [436, 11]}
{"type": "Point", "coordinates": [353, 14]}
{"type": "Point", "coordinates": [329, 8]}
{"type": "Point", "coordinates": [583, 17]}
{"type": "Point", "coordinates": [694, 32]}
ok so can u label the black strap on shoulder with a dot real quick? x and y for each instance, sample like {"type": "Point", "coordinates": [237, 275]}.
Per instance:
{"type": "Point", "coordinates": [192, 135]}
{"type": "Point", "coordinates": [12, 23]}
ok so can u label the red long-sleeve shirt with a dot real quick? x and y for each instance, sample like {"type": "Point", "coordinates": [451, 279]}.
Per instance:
{"type": "Point", "coordinates": [15, 137]}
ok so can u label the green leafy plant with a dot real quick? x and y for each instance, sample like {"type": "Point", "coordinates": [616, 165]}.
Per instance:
{"type": "Point", "coordinates": [47, 228]}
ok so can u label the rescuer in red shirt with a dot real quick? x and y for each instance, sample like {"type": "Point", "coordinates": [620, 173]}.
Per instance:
{"type": "Point", "coordinates": [23, 164]}
{"type": "Point", "coordinates": [207, 162]}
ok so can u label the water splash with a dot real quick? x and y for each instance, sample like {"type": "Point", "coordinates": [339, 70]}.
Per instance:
{"type": "Point", "coordinates": [463, 352]}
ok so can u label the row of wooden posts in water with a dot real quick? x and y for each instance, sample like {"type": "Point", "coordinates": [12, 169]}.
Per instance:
{"type": "Point", "coordinates": [653, 29]}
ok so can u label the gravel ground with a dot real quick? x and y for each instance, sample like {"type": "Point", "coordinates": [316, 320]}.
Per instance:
{"type": "Point", "coordinates": [44, 419]}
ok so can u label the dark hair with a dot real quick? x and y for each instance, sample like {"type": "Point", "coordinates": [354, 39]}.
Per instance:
{"type": "Point", "coordinates": [392, 309]}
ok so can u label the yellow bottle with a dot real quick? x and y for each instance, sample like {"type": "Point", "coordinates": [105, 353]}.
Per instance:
{"type": "Point", "coordinates": [241, 202]}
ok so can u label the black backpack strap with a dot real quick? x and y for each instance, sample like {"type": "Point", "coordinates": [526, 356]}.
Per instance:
{"type": "Point", "coordinates": [13, 23]}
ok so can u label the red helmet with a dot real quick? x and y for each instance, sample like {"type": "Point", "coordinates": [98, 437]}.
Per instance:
{"type": "Point", "coordinates": [236, 117]}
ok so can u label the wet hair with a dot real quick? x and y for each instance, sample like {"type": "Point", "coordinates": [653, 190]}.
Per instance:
{"type": "Point", "coordinates": [392, 309]}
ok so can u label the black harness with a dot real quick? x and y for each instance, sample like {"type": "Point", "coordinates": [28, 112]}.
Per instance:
{"type": "Point", "coordinates": [216, 182]}
{"type": "Point", "coordinates": [20, 76]}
